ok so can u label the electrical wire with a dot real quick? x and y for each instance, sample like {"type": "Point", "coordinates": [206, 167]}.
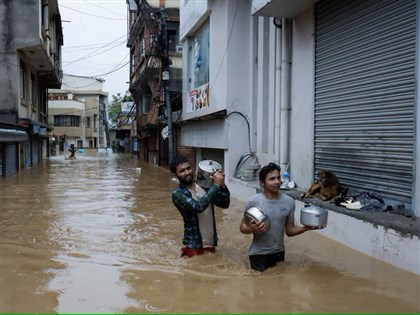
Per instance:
{"type": "Point", "coordinates": [247, 123]}
{"type": "Point", "coordinates": [97, 16]}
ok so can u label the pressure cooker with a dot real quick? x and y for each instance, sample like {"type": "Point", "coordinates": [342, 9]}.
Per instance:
{"type": "Point", "coordinates": [312, 215]}
{"type": "Point", "coordinates": [206, 168]}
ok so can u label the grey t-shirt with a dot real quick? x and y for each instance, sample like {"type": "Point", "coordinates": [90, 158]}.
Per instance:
{"type": "Point", "coordinates": [280, 212]}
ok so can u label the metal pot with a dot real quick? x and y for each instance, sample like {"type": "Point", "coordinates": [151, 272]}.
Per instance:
{"type": "Point", "coordinates": [256, 214]}
{"type": "Point", "coordinates": [313, 215]}
{"type": "Point", "coordinates": [206, 168]}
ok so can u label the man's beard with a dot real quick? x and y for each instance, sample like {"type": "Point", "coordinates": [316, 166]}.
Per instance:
{"type": "Point", "coordinates": [186, 180]}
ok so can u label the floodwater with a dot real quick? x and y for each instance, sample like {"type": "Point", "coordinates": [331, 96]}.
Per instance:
{"type": "Point", "coordinates": [97, 235]}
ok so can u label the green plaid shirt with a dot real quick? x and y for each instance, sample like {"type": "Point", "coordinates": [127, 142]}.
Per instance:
{"type": "Point", "coordinates": [189, 207]}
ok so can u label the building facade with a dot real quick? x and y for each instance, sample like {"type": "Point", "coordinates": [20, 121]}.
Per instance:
{"type": "Point", "coordinates": [123, 137]}
{"type": "Point", "coordinates": [77, 113]}
{"type": "Point", "coordinates": [30, 63]}
{"type": "Point", "coordinates": [310, 85]}
{"type": "Point", "coordinates": [154, 47]}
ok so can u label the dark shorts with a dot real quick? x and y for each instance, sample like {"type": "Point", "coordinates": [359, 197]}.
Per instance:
{"type": "Point", "coordinates": [262, 262]}
{"type": "Point", "coordinates": [189, 252]}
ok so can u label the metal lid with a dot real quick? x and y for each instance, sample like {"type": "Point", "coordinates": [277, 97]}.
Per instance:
{"type": "Point", "coordinates": [314, 209]}
{"type": "Point", "coordinates": [209, 165]}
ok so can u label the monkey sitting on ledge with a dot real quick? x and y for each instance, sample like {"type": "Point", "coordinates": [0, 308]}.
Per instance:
{"type": "Point", "coordinates": [327, 186]}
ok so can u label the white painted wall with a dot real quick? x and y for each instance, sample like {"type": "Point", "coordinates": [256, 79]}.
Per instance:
{"type": "Point", "coordinates": [302, 100]}
{"type": "Point", "coordinates": [385, 244]}
{"type": "Point", "coordinates": [230, 83]}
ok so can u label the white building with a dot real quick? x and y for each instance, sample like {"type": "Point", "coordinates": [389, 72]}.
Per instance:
{"type": "Point", "coordinates": [77, 112]}
{"type": "Point", "coordinates": [311, 85]}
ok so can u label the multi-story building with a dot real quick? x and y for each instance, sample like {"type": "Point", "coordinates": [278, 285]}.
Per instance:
{"type": "Point", "coordinates": [312, 85]}
{"type": "Point", "coordinates": [77, 113]}
{"type": "Point", "coordinates": [153, 41]}
{"type": "Point", "coordinates": [30, 63]}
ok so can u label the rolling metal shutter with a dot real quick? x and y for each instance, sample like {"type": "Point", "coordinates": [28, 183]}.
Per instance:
{"type": "Point", "coordinates": [27, 150]}
{"type": "Point", "coordinates": [364, 94]}
{"type": "Point", "coordinates": [11, 158]}
{"type": "Point", "coordinates": [35, 151]}
{"type": "Point", "coordinates": [2, 160]}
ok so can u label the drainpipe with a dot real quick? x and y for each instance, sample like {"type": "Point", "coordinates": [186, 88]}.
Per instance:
{"type": "Point", "coordinates": [277, 91]}
{"type": "Point", "coordinates": [286, 61]}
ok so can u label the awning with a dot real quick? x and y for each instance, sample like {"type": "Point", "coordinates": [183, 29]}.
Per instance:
{"type": "Point", "coordinates": [12, 135]}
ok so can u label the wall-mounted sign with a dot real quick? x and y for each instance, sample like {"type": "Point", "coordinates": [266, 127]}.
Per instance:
{"type": "Point", "coordinates": [199, 98]}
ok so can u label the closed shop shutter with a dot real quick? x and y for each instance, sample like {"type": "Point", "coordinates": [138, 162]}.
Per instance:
{"type": "Point", "coordinates": [11, 158]}
{"type": "Point", "coordinates": [214, 154]}
{"type": "Point", "coordinates": [27, 150]}
{"type": "Point", "coordinates": [2, 160]}
{"type": "Point", "coordinates": [364, 94]}
{"type": "Point", "coordinates": [35, 150]}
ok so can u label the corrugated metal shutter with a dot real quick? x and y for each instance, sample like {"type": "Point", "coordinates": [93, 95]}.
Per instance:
{"type": "Point", "coordinates": [214, 154]}
{"type": "Point", "coordinates": [2, 160]}
{"type": "Point", "coordinates": [27, 150]}
{"type": "Point", "coordinates": [11, 158]}
{"type": "Point", "coordinates": [364, 94]}
{"type": "Point", "coordinates": [35, 151]}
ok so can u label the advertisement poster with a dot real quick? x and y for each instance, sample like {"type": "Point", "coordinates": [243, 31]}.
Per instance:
{"type": "Point", "coordinates": [199, 97]}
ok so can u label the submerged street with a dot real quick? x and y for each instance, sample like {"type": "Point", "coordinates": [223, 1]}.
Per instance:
{"type": "Point", "coordinates": [100, 235]}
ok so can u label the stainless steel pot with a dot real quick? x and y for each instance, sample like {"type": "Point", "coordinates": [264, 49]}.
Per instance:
{"type": "Point", "coordinates": [206, 168]}
{"type": "Point", "coordinates": [256, 214]}
{"type": "Point", "coordinates": [312, 215]}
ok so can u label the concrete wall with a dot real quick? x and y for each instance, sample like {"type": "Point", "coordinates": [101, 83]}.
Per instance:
{"type": "Point", "coordinates": [229, 83]}
{"type": "Point", "coordinates": [374, 240]}
{"type": "Point", "coordinates": [302, 100]}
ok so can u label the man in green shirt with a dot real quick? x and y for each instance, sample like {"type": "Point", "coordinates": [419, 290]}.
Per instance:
{"type": "Point", "coordinates": [196, 206]}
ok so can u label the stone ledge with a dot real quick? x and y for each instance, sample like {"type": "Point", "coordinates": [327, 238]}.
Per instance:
{"type": "Point", "coordinates": [397, 222]}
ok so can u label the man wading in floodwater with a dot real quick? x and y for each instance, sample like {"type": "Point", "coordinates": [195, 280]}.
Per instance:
{"type": "Point", "coordinates": [196, 206]}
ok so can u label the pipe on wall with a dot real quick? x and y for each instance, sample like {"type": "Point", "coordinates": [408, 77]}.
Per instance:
{"type": "Point", "coordinates": [286, 61]}
{"type": "Point", "coordinates": [277, 95]}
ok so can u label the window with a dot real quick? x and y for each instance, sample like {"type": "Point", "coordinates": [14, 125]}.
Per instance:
{"type": "Point", "coordinates": [45, 16]}
{"type": "Point", "coordinates": [23, 88]}
{"type": "Point", "coordinates": [141, 47]}
{"type": "Point", "coordinates": [172, 40]}
{"type": "Point", "coordinates": [132, 61]}
{"type": "Point", "coordinates": [198, 59]}
{"type": "Point", "coordinates": [67, 121]}
{"type": "Point", "coordinates": [145, 103]}
{"type": "Point", "coordinates": [201, 56]}
{"type": "Point", "coordinates": [95, 118]}
{"type": "Point", "coordinates": [87, 122]}
{"type": "Point", "coordinates": [153, 40]}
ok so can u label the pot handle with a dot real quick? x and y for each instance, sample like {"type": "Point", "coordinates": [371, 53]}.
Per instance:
{"type": "Point", "coordinates": [211, 165]}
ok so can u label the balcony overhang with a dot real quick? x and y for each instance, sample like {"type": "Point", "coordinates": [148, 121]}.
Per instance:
{"type": "Point", "coordinates": [281, 8]}
{"type": "Point", "coordinates": [39, 57]}
{"type": "Point", "coordinates": [43, 63]}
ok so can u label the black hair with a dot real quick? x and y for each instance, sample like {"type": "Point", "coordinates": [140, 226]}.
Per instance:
{"type": "Point", "coordinates": [176, 161]}
{"type": "Point", "coordinates": [267, 169]}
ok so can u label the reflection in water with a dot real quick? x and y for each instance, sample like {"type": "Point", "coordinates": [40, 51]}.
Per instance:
{"type": "Point", "coordinates": [99, 235]}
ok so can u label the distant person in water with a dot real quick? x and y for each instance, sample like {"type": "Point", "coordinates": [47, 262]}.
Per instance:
{"type": "Point", "coordinates": [72, 151]}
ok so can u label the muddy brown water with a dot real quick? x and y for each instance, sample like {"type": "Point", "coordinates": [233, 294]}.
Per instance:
{"type": "Point", "coordinates": [96, 235]}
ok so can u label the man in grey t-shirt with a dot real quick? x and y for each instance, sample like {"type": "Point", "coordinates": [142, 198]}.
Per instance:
{"type": "Point", "coordinates": [267, 247]}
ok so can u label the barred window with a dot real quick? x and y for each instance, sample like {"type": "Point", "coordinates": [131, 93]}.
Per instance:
{"type": "Point", "coordinates": [67, 120]}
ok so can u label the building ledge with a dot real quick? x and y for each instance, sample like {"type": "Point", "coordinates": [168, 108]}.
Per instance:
{"type": "Point", "coordinates": [406, 226]}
